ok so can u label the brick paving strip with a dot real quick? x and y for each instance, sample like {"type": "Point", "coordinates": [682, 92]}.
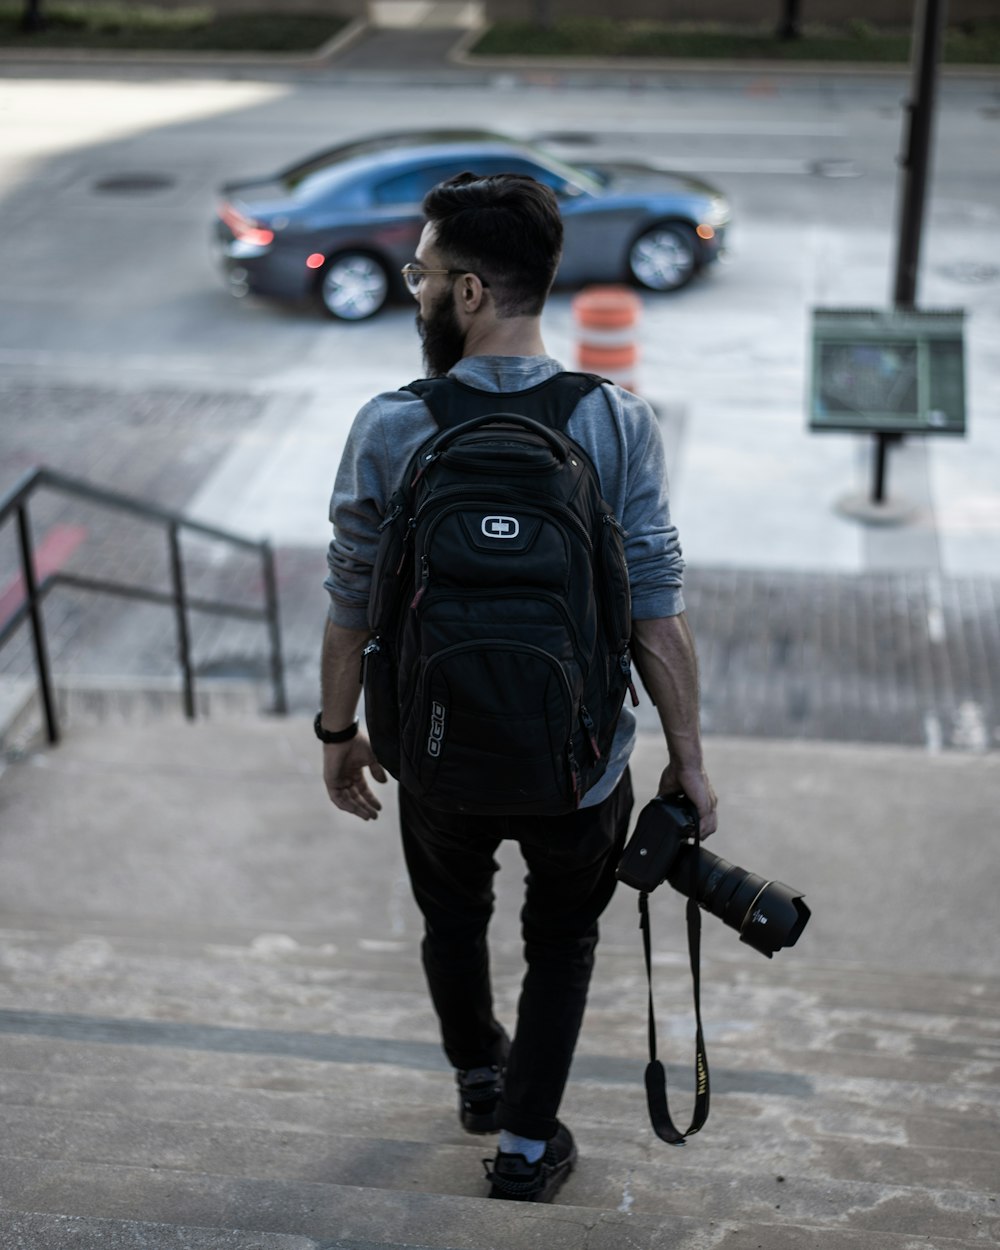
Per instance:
{"type": "Point", "coordinates": [900, 657]}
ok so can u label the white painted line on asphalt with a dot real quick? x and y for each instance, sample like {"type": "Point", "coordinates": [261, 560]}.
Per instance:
{"type": "Point", "coordinates": [732, 165]}
{"type": "Point", "coordinates": [699, 163]}
{"type": "Point", "coordinates": [712, 126]}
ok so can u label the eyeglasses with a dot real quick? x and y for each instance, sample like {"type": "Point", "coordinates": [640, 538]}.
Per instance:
{"type": "Point", "coordinates": [413, 275]}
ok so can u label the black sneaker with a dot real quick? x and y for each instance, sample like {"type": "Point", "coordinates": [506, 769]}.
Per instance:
{"type": "Point", "coordinates": [479, 1091]}
{"type": "Point", "coordinates": [516, 1180]}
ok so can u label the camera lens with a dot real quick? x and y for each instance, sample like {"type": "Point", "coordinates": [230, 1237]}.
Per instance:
{"type": "Point", "coordinates": [767, 914]}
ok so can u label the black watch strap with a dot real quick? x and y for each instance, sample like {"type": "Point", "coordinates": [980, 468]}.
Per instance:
{"type": "Point", "coordinates": [341, 735]}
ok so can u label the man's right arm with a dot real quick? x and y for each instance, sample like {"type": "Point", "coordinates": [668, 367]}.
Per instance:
{"type": "Point", "coordinates": [664, 654]}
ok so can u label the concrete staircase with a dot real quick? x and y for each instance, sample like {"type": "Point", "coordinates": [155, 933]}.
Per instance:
{"type": "Point", "coordinates": [214, 1031]}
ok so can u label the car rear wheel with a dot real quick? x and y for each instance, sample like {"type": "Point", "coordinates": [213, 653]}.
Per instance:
{"type": "Point", "coordinates": [354, 286]}
{"type": "Point", "coordinates": [665, 257]}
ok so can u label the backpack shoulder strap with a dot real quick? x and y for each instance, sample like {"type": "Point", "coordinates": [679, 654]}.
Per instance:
{"type": "Point", "coordinates": [551, 402]}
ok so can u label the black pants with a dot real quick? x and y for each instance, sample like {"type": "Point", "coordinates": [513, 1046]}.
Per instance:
{"type": "Point", "coordinates": [571, 864]}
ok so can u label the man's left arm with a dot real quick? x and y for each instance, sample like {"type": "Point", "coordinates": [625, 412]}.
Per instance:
{"type": "Point", "coordinates": [344, 763]}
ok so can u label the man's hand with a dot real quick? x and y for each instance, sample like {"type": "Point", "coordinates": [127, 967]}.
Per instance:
{"type": "Point", "coordinates": [344, 765]}
{"type": "Point", "coordinates": [695, 784]}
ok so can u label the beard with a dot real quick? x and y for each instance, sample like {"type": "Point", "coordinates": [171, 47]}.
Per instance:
{"type": "Point", "coordinates": [441, 337]}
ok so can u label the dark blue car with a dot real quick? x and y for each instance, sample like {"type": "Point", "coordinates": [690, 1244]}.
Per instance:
{"type": "Point", "coordinates": [338, 227]}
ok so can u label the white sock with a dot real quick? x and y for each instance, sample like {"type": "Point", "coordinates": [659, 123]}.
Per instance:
{"type": "Point", "coordinates": [511, 1144]}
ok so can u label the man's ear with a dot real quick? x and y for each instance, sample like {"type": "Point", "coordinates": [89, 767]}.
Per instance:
{"type": "Point", "coordinates": [471, 293]}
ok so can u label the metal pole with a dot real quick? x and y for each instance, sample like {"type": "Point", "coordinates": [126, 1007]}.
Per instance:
{"type": "Point", "coordinates": [32, 18]}
{"type": "Point", "coordinates": [274, 629]}
{"type": "Point", "coordinates": [180, 607]}
{"type": "Point", "coordinates": [928, 27]}
{"type": "Point", "coordinates": [790, 26]}
{"type": "Point", "coordinates": [878, 484]}
{"type": "Point", "coordinates": [37, 626]}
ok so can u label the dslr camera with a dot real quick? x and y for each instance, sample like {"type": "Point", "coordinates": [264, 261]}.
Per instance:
{"type": "Point", "coordinates": [767, 914]}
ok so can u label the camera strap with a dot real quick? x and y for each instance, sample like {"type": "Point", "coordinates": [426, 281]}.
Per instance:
{"type": "Point", "coordinates": [656, 1075]}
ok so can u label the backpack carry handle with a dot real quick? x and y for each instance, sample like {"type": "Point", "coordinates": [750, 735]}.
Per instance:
{"type": "Point", "coordinates": [552, 437]}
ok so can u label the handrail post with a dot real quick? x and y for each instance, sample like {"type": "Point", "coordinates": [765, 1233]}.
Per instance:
{"type": "Point", "coordinates": [274, 629]}
{"type": "Point", "coordinates": [37, 628]}
{"type": "Point", "coordinates": [180, 608]}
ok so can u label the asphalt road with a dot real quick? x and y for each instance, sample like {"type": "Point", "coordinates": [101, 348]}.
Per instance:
{"type": "Point", "coordinates": [810, 166]}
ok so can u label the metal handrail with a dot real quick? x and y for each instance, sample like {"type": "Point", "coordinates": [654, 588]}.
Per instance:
{"type": "Point", "coordinates": [16, 501]}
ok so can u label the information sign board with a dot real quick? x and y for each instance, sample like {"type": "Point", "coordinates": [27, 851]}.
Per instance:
{"type": "Point", "coordinates": [888, 371]}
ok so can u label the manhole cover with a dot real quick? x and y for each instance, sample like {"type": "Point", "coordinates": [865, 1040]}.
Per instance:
{"type": "Point", "coordinates": [133, 184]}
{"type": "Point", "coordinates": [971, 272]}
{"type": "Point", "coordinates": [834, 169]}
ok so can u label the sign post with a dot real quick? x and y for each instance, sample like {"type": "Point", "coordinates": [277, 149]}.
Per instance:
{"type": "Point", "coordinates": [888, 373]}
{"type": "Point", "coordinates": [901, 371]}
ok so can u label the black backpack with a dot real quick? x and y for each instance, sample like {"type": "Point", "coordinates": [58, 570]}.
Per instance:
{"type": "Point", "coordinates": [500, 608]}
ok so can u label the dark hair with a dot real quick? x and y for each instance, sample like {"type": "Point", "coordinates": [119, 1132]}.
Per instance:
{"type": "Point", "coordinates": [507, 229]}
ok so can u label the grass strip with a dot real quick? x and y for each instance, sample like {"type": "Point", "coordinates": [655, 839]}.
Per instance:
{"type": "Point", "coordinates": [858, 40]}
{"type": "Point", "coordinates": [139, 27]}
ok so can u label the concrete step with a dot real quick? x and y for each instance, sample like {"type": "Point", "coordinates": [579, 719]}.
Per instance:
{"type": "Point", "coordinates": [408, 1103]}
{"type": "Point", "coordinates": [32, 1230]}
{"type": "Point", "coordinates": [213, 1024]}
{"type": "Point", "coordinates": [437, 1158]}
{"type": "Point", "coordinates": [422, 1221]}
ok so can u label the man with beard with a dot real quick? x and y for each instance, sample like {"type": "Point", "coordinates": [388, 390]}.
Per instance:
{"type": "Point", "coordinates": [482, 271]}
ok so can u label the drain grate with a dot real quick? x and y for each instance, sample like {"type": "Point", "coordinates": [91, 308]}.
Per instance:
{"type": "Point", "coordinates": [133, 184]}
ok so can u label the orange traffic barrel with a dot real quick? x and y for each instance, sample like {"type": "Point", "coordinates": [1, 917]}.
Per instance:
{"type": "Point", "coordinates": [607, 318]}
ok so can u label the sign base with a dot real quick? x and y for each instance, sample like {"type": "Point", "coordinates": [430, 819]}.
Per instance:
{"type": "Point", "coordinates": [874, 512]}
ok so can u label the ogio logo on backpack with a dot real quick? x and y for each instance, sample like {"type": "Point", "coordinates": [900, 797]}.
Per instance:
{"type": "Point", "coordinates": [436, 736]}
{"type": "Point", "coordinates": [501, 526]}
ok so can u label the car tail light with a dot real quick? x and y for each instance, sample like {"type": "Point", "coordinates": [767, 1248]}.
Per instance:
{"type": "Point", "coordinates": [245, 228]}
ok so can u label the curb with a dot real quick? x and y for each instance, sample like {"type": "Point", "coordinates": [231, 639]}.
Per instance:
{"type": "Point", "coordinates": [460, 57]}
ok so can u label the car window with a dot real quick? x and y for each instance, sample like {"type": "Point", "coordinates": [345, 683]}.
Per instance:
{"type": "Point", "coordinates": [564, 180]}
{"type": "Point", "coordinates": [412, 185]}
{"type": "Point", "coordinates": [490, 165]}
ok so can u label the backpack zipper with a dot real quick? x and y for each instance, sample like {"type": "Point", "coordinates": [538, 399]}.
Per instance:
{"type": "Point", "coordinates": [625, 664]}
{"type": "Point", "coordinates": [591, 729]}
{"type": "Point", "coordinates": [394, 510]}
{"type": "Point", "coordinates": [425, 577]}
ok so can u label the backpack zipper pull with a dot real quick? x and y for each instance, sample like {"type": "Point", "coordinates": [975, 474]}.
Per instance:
{"type": "Point", "coordinates": [406, 542]}
{"type": "Point", "coordinates": [425, 464]}
{"type": "Point", "coordinates": [609, 518]}
{"type": "Point", "coordinates": [574, 773]}
{"type": "Point", "coordinates": [371, 649]}
{"type": "Point", "coordinates": [588, 724]}
{"type": "Point", "coordinates": [625, 664]}
{"type": "Point", "coordinates": [390, 516]}
{"type": "Point", "coordinates": [425, 577]}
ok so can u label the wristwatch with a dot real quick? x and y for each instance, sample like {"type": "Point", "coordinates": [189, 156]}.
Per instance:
{"type": "Point", "coordinates": [325, 736]}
